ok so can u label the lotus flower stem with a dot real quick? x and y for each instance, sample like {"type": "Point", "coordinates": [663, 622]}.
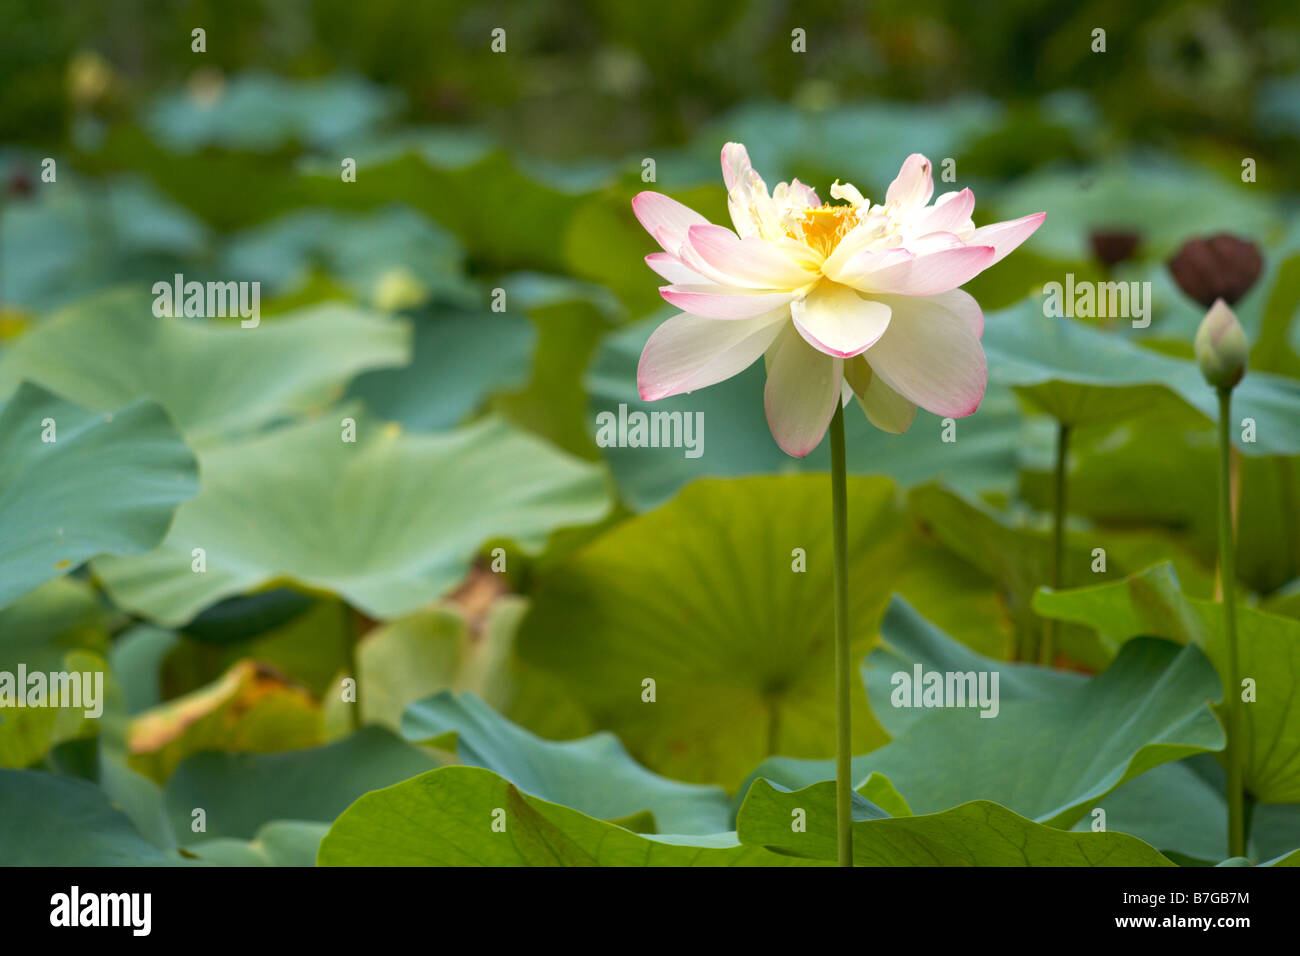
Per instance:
{"type": "Point", "coordinates": [1228, 578]}
{"type": "Point", "coordinates": [843, 712]}
{"type": "Point", "coordinates": [1048, 650]}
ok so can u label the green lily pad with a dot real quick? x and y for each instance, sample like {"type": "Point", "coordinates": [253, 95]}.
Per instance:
{"type": "Point", "coordinates": [1047, 757]}
{"type": "Point", "coordinates": [1152, 603]}
{"type": "Point", "coordinates": [461, 356]}
{"type": "Point", "coordinates": [593, 775]}
{"type": "Point", "coordinates": [70, 239]}
{"type": "Point", "coordinates": [58, 821]}
{"type": "Point", "coordinates": [445, 818]}
{"type": "Point", "coordinates": [908, 639]}
{"type": "Point", "coordinates": [392, 258]}
{"type": "Point", "coordinates": [702, 598]}
{"type": "Point", "coordinates": [111, 349]}
{"type": "Point", "coordinates": [278, 843]}
{"type": "Point", "coordinates": [106, 484]}
{"type": "Point", "coordinates": [979, 833]}
{"type": "Point", "coordinates": [1173, 808]}
{"type": "Point", "coordinates": [1180, 808]}
{"type": "Point", "coordinates": [1082, 375]}
{"type": "Point", "coordinates": [390, 522]}
{"type": "Point", "coordinates": [261, 112]}
{"type": "Point", "coordinates": [240, 793]}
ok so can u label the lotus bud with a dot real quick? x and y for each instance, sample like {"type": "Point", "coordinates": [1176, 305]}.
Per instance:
{"type": "Point", "coordinates": [1221, 347]}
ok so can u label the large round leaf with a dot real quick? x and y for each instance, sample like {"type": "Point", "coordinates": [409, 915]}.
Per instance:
{"type": "Point", "coordinates": [907, 639]}
{"type": "Point", "coordinates": [704, 598]}
{"type": "Point", "coordinates": [1048, 756]}
{"type": "Point", "coordinates": [390, 522]}
{"type": "Point", "coordinates": [594, 775]}
{"type": "Point", "coordinates": [1181, 809]}
{"type": "Point", "coordinates": [104, 484]}
{"type": "Point", "coordinates": [460, 357]}
{"type": "Point", "coordinates": [1081, 375]}
{"type": "Point", "coordinates": [392, 257]}
{"type": "Point", "coordinates": [278, 843]}
{"type": "Point", "coordinates": [57, 245]}
{"type": "Point", "coordinates": [446, 818]}
{"type": "Point", "coordinates": [261, 112]}
{"type": "Point", "coordinates": [242, 792]}
{"type": "Point", "coordinates": [1152, 603]}
{"type": "Point", "coordinates": [57, 821]}
{"type": "Point", "coordinates": [979, 833]}
{"type": "Point", "coordinates": [215, 378]}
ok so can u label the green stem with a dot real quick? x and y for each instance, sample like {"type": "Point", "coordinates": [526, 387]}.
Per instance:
{"type": "Point", "coordinates": [352, 635]}
{"type": "Point", "coordinates": [1048, 650]}
{"type": "Point", "coordinates": [843, 718]}
{"type": "Point", "coordinates": [1232, 682]}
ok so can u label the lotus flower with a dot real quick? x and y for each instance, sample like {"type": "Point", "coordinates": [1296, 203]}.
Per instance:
{"type": "Point", "coordinates": [841, 299]}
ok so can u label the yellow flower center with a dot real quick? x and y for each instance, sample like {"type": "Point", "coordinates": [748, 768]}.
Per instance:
{"type": "Point", "coordinates": [823, 228]}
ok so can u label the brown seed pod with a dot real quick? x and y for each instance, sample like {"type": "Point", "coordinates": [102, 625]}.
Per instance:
{"type": "Point", "coordinates": [1216, 267]}
{"type": "Point", "coordinates": [1113, 246]}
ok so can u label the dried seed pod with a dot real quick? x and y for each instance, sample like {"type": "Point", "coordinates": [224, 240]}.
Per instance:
{"type": "Point", "coordinates": [1216, 267]}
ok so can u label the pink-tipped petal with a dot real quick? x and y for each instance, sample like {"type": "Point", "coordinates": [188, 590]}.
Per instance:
{"type": "Point", "coordinates": [962, 303]}
{"type": "Point", "coordinates": [748, 263]}
{"type": "Point", "coordinates": [723, 302]}
{"type": "Point", "coordinates": [950, 213]}
{"type": "Point", "coordinates": [1004, 237]}
{"type": "Point", "coordinates": [672, 269]}
{"type": "Point", "coordinates": [689, 352]}
{"type": "Point", "coordinates": [806, 195]}
{"type": "Point", "coordinates": [931, 355]}
{"type": "Point", "coordinates": [802, 391]}
{"type": "Point", "coordinates": [924, 275]}
{"type": "Point", "coordinates": [665, 219]}
{"type": "Point", "coordinates": [836, 320]}
{"type": "Point", "coordinates": [914, 184]}
{"type": "Point", "coordinates": [736, 167]}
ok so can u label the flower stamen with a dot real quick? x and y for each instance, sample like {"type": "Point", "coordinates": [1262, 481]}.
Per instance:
{"type": "Point", "coordinates": [823, 227]}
